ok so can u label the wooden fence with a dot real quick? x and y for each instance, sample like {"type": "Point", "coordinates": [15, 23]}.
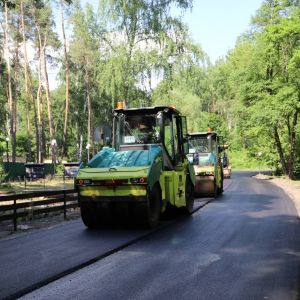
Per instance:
{"type": "Point", "coordinates": [15, 206]}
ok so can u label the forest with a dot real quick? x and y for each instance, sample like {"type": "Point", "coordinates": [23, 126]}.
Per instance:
{"type": "Point", "coordinates": [64, 65]}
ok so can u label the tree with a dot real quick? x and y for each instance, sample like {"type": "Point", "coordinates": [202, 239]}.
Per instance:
{"type": "Point", "coordinates": [66, 62]}
{"type": "Point", "coordinates": [280, 42]}
{"type": "Point", "coordinates": [44, 37]}
{"type": "Point", "coordinates": [139, 25]}
{"type": "Point", "coordinates": [6, 53]}
{"type": "Point", "coordinates": [84, 47]}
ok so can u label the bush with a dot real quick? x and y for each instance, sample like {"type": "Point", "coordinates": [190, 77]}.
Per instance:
{"type": "Point", "coordinates": [297, 169]}
{"type": "Point", "coordinates": [59, 170]}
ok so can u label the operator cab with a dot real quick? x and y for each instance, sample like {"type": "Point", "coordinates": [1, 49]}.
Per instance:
{"type": "Point", "coordinates": [139, 128]}
{"type": "Point", "coordinates": [203, 148]}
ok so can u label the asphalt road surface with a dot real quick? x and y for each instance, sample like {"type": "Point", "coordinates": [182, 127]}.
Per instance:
{"type": "Point", "coordinates": [243, 245]}
{"type": "Point", "coordinates": [37, 258]}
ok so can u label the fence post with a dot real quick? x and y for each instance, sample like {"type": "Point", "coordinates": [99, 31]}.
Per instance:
{"type": "Point", "coordinates": [15, 215]}
{"type": "Point", "coordinates": [65, 206]}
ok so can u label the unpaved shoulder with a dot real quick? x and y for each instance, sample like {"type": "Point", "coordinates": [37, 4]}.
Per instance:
{"type": "Point", "coordinates": [292, 188]}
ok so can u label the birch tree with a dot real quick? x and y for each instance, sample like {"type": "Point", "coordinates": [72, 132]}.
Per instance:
{"type": "Point", "coordinates": [141, 23]}
{"type": "Point", "coordinates": [45, 38]}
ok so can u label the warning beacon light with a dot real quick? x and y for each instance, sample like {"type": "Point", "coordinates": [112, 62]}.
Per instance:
{"type": "Point", "coordinates": [120, 104]}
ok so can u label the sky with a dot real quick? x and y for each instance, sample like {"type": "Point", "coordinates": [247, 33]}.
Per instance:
{"type": "Point", "coordinates": [216, 24]}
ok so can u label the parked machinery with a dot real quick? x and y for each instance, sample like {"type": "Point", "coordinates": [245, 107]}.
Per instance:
{"type": "Point", "coordinates": [205, 153]}
{"type": "Point", "coordinates": [145, 171]}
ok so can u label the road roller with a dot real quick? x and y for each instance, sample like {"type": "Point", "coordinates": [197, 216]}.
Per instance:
{"type": "Point", "coordinates": [144, 171]}
{"type": "Point", "coordinates": [205, 150]}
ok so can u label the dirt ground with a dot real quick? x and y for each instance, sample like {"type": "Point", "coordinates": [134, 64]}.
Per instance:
{"type": "Point", "coordinates": [292, 188]}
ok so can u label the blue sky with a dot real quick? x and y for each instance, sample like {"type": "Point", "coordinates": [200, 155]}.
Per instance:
{"type": "Point", "coordinates": [216, 24]}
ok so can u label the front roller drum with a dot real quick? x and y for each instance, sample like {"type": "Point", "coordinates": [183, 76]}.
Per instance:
{"type": "Point", "coordinates": [205, 186]}
{"type": "Point", "coordinates": [189, 196]}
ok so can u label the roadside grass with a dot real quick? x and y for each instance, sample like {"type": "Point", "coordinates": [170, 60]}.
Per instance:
{"type": "Point", "coordinates": [239, 160]}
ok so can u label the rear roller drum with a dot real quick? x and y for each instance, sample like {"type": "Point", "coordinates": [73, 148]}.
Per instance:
{"type": "Point", "coordinates": [205, 187]}
{"type": "Point", "coordinates": [89, 215]}
{"type": "Point", "coordinates": [95, 215]}
{"type": "Point", "coordinates": [121, 213]}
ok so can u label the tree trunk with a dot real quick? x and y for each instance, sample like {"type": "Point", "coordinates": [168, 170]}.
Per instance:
{"type": "Point", "coordinates": [292, 145]}
{"type": "Point", "coordinates": [49, 106]}
{"type": "Point", "coordinates": [39, 143]}
{"type": "Point", "coordinates": [40, 148]}
{"type": "Point", "coordinates": [9, 78]}
{"type": "Point", "coordinates": [280, 151]}
{"type": "Point", "coordinates": [89, 106]}
{"type": "Point", "coordinates": [42, 135]}
{"type": "Point", "coordinates": [13, 127]}
{"type": "Point", "coordinates": [28, 87]}
{"type": "Point", "coordinates": [64, 144]}
{"type": "Point", "coordinates": [131, 35]}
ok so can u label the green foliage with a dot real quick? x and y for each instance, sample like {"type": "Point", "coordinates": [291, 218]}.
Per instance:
{"type": "Point", "coordinates": [251, 93]}
{"type": "Point", "coordinates": [139, 52]}
{"type": "Point", "coordinates": [2, 173]}
{"type": "Point", "coordinates": [59, 169]}
{"type": "Point", "coordinates": [242, 160]}
{"type": "Point", "coordinates": [140, 29]}
{"type": "Point", "coordinates": [9, 4]}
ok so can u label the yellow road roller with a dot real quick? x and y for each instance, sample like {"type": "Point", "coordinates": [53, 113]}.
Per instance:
{"type": "Point", "coordinates": [205, 153]}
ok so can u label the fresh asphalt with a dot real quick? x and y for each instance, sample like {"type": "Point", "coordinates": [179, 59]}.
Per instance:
{"type": "Point", "coordinates": [30, 261]}
{"type": "Point", "coordinates": [243, 245]}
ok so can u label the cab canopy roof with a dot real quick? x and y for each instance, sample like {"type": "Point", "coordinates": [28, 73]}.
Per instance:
{"type": "Point", "coordinates": [202, 134]}
{"type": "Point", "coordinates": [148, 110]}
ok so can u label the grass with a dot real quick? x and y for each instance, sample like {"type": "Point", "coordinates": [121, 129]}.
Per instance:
{"type": "Point", "coordinates": [241, 161]}
{"type": "Point", "coordinates": [48, 184]}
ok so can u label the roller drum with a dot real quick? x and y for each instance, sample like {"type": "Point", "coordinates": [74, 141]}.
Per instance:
{"type": "Point", "coordinates": [205, 186]}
